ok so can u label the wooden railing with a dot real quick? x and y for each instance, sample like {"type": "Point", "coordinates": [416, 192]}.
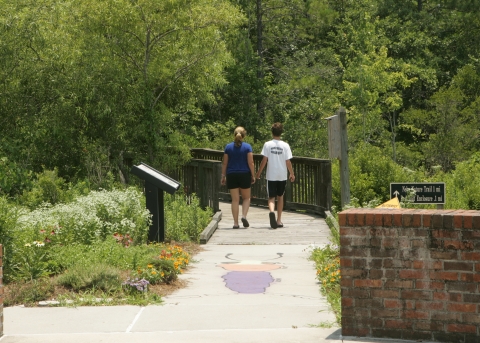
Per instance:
{"type": "Point", "coordinates": [311, 191]}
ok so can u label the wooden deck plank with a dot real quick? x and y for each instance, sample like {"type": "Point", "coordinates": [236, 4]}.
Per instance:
{"type": "Point", "coordinates": [299, 228]}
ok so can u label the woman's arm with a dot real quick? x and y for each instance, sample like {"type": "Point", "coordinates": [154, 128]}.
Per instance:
{"type": "Point", "coordinates": [224, 169]}
{"type": "Point", "coordinates": [251, 165]}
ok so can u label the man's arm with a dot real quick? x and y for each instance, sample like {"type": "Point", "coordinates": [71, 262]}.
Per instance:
{"type": "Point", "coordinates": [290, 170]}
{"type": "Point", "coordinates": [262, 165]}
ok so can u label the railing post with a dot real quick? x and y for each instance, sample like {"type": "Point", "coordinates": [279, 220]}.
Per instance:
{"type": "Point", "coordinates": [217, 173]}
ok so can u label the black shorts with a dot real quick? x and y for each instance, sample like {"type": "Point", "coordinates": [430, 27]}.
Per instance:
{"type": "Point", "coordinates": [276, 188]}
{"type": "Point", "coordinates": [239, 180]}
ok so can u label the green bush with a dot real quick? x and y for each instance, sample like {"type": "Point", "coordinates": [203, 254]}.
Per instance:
{"type": "Point", "coordinates": [13, 178]}
{"type": "Point", "coordinates": [185, 219]}
{"type": "Point", "coordinates": [28, 293]}
{"type": "Point", "coordinates": [47, 188]}
{"type": "Point", "coordinates": [89, 218]}
{"type": "Point", "coordinates": [463, 185]}
{"type": "Point", "coordinates": [97, 276]}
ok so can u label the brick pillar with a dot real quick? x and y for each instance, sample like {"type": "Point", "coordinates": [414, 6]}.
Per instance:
{"type": "Point", "coordinates": [1, 290]}
{"type": "Point", "coordinates": [411, 274]}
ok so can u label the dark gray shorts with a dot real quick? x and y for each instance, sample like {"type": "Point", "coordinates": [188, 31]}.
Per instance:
{"type": "Point", "coordinates": [276, 188]}
{"type": "Point", "coordinates": [239, 180]}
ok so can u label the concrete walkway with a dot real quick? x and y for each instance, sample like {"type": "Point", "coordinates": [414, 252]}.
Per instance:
{"type": "Point", "coordinates": [247, 285]}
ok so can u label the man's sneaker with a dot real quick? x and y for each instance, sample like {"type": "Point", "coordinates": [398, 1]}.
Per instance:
{"type": "Point", "coordinates": [273, 221]}
{"type": "Point", "coordinates": [245, 222]}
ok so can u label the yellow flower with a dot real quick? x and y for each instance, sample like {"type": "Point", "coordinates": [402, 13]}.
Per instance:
{"type": "Point", "coordinates": [150, 265]}
{"type": "Point", "coordinates": [154, 272]}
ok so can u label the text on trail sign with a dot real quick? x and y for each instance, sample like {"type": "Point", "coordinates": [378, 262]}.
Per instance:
{"type": "Point", "coordinates": [425, 193]}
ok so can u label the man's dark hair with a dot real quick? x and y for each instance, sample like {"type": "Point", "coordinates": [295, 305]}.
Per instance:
{"type": "Point", "coordinates": [277, 129]}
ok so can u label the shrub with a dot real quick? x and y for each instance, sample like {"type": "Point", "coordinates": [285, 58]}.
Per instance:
{"type": "Point", "coordinates": [28, 293]}
{"type": "Point", "coordinates": [184, 218]}
{"type": "Point", "coordinates": [98, 276]}
{"type": "Point", "coordinates": [90, 218]}
{"type": "Point", "coordinates": [47, 188]}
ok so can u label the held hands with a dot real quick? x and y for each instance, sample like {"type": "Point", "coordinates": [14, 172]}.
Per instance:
{"type": "Point", "coordinates": [253, 179]}
{"type": "Point", "coordinates": [223, 181]}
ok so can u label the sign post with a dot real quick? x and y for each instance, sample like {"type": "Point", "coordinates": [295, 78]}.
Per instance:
{"type": "Point", "coordinates": [338, 148]}
{"type": "Point", "coordinates": [155, 184]}
{"type": "Point", "coordinates": [423, 193]}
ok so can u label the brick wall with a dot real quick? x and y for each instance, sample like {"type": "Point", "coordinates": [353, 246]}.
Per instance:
{"type": "Point", "coordinates": [1, 290]}
{"type": "Point", "coordinates": [411, 274]}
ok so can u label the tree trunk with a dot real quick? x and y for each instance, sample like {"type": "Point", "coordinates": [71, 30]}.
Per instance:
{"type": "Point", "coordinates": [260, 73]}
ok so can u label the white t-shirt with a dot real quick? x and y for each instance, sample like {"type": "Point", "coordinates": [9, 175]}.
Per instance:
{"type": "Point", "coordinates": [278, 152]}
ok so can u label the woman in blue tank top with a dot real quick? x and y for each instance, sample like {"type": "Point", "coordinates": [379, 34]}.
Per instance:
{"type": "Point", "coordinates": [238, 174]}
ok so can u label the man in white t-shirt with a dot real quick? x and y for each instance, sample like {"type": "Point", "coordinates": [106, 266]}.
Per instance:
{"type": "Point", "coordinates": [277, 154]}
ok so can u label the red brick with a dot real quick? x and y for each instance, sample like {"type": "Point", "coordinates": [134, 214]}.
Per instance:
{"type": "Point", "coordinates": [459, 307]}
{"type": "Point", "coordinates": [426, 219]}
{"type": "Point", "coordinates": [378, 221]}
{"type": "Point", "coordinates": [393, 303]}
{"type": "Point", "coordinates": [449, 244]}
{"type": "Point", "coordinates": [444, 255]}
{"type": "Point", "coordinates": [352, 272]}
{"type": "Point", "coordinates": [476, 222]}
{"type": "Point", "coordinates": [452, 276]}
{"type": "Point", "coordinates": [412, 274]}
{"type": "Point", "coordinates": [418, 264]}
{"type": "Point", "coordinates": [465, 266]}
{"type": "Point", "coordinates": [347, 302]}
{"type": "Point", "coordinates": [360, 221]}
{"type": "Point", "coordinates": [369, 218]}
{"type": "Point", "coordinates": [477, 267]}
{"type": "Point", "coordinates": [397, 218]}
{"type": "Point", "coordinates": [468, 220]}
{"type": "Point", "coordinates": [417, 220]}
{"type": "Point", "coordinates": [471, 256]}
{"type": "Point", "coordinates": [398, 324]}
{"type": "Point", "coordinates": [469, 277]}
{"type": "Point", "coordinates": [440, 296]}
{"type": "Point", "coordinates": [380, 293]}
{"type": "Point", "coordinates": [351, 218]}
{"type": "Point", "coordinates": [415, 314]}
{"type": "Point", "coordinates": [382, 313]}
{"type": "Point", "coordinates": [471, 318]}
{"type": "Point", "coordinates": [346, 282]}
{"type": "Point", "coordinates": [440, 233]}
{"type": "Point", "coordinates": [416, 294]}
{"type": "Point", "coordinates": [345, 262]}
{"type": "Point", "coordinates": [456, 297]}
{"type": "Point", "coordinates": [387, 220]}
{"type": "Point", "coordinates": [429, 285]}
{"type": "Point", "coordinates": [437, 265]}
{"type": "Point", "coordinates": [461, 328]}
{"type": "Point", "coordinates": [342, 218]}
{"type": "Point", "coordinates": [368, 283]}
{"type": "Point", "coordinates": [407, 219]}
{"type": "Point", "coordinates": [403, 284]}
{"type": "Point", "coordinates": [430, 305]}
{"type": "Point", "coordinates": [458, 219]}
{"type": "Point", "coordinates": [388, 242]}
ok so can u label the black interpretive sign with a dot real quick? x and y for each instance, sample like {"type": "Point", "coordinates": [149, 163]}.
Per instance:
{"type": "Point", "coordinates": [420, 192]}
{"type": "Point", "coordinates": [155, 184]}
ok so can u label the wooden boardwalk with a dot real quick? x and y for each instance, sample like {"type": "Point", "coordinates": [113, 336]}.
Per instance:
{"type": "Point", "coordinates": [299, 228]}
